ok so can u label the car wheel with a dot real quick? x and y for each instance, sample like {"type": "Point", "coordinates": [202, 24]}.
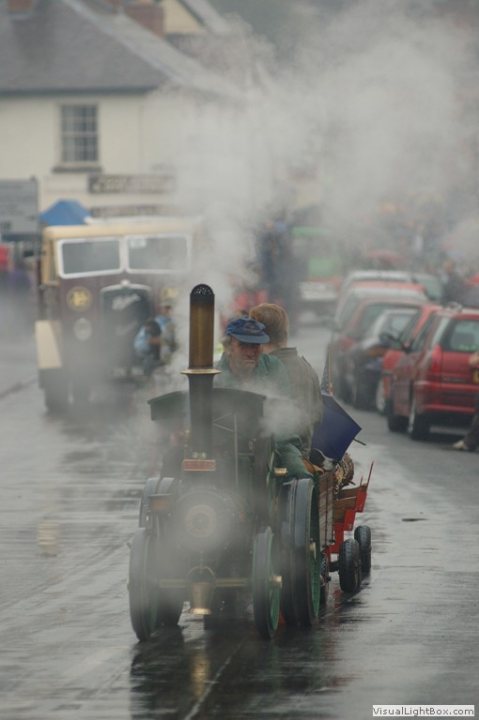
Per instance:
{"type": "Point", "coordinates": [380, 400]}
{"type": "Point", "coordinates": [396, 423]}
{"type": "Point", "coordinates": [359, 392]}
{"type": "Point", "coordinates": [418, 425]}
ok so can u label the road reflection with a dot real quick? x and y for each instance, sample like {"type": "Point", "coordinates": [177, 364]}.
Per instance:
{"type": "Point", "coordinates": [230, 672]}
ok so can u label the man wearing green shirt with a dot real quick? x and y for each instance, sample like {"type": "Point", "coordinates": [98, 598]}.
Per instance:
{"type": "Point", "coordinates": [245, 367]}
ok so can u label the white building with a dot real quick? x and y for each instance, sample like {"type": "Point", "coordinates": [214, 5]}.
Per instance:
{"type": "Point", "coordinates": [95, 106]}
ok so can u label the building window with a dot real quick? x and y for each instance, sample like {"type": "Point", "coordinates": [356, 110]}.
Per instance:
{"type": "Point", "coordinates": [79, 134]}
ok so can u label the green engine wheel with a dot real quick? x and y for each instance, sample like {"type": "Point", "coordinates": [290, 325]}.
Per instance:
{"type": "Point", "coordinates": [266, 585]}
{"type": "Point", "coordinates": [301, 554]}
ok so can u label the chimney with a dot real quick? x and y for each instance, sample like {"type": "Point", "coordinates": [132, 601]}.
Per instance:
{"type": "Point", "coordinates": [20, 7]}
{"type": "Point", "coordinates": [148, 14]}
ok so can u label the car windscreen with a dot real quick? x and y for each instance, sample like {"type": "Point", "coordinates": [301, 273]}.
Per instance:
{"type": "Point", "coordinates": [367, 317]}
{"type": "Point", "coordinates": [392, 322]}
{"type": "Point", "coordinates": [166, 253]}
{"type": "Point", "coordinates": [462, 336]}
{"type": "Point", "coordinates": [89, 256]}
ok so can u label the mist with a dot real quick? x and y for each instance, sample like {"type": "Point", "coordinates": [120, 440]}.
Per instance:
{"type": "Point", "coordinates": [370, 113]}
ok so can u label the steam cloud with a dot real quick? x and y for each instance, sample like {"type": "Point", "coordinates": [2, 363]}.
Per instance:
{"type": "Point", "coordinates": [372, 110]}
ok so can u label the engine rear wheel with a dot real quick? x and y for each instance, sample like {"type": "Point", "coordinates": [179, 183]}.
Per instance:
{"type": "Point", "coordinates": [266, 585]}
{"type": "Point", "coordinates": [301, 555]}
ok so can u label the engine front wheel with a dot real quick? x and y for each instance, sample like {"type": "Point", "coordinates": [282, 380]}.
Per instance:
{"type": "Point", "coordinates": [151, 606]}
{"type": "Point", "coordinates": [141, 587]}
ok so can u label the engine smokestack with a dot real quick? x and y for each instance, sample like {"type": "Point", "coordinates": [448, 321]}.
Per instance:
{"type": "Point", "coordinates": [201, 371]}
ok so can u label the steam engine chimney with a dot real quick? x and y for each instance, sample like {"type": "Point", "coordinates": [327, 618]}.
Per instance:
{"type": "Point", "coordinates": [201, 371]}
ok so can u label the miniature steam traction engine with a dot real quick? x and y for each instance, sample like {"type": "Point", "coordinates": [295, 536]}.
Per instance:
{"type": "Point", "coordinates": [225, 523]}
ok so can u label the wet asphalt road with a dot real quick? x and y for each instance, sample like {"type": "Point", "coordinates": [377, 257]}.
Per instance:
{"type": "Point", "coordinates": [69, 508]}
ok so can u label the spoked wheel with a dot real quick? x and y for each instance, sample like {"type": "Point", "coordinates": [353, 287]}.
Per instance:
{"type": "Point", "coordinates": [266, 585]}
{"type": "Point", "coordinates": [301, 554]}
{"type": "Point", "coordinates": [141, 589]}
{"type": "Point", "coordinates": [363, 536]}
{"type": "Point", "coordinates": [349, 566]}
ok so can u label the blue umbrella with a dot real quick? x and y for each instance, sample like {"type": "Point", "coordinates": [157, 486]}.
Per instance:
{"type": "Point", "coordinates": [65, 212]}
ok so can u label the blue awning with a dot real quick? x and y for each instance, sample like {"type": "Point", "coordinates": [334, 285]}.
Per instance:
{"type": "Point", "coordinates": [64, 212]}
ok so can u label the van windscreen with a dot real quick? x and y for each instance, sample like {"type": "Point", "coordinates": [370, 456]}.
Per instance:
{"type": "Point", "coordinates": [158, 253]}
{"type": "Point", "coordinates": [86, 257]}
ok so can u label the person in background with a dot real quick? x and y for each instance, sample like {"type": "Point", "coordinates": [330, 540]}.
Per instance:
{"type": "Point", "coordinates": [454, 285]}
{"type": "Point", "coordinates": [304, 380]}
{"type": "Point", "coordinates": [155, 342]}
{"type": "Point", "coordinates": [471, 440]}
{"type": "Point", "coordinates": [147, 345]}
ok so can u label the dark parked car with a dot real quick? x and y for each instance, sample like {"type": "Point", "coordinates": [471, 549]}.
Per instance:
{"type": "Point", "coordinates": [433, 383]}
{"type": "Point", "coordinates": [363, 362]}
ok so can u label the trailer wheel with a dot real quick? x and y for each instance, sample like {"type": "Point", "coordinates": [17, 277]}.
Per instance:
{"type": "Point", "coordinates": [266, 585]}
{"type": "Point", "coordinates": [143, 601]}
{"type": "Point", "coordinates": [363, 536]}
{"type": "Point", "coordinates": [301, 555]}
{"type": "Point", "coordinates": [349, 566]}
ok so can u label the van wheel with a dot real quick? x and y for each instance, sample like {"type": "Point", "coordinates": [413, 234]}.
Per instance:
{"type": "Point", "coordinates": [55, 389]}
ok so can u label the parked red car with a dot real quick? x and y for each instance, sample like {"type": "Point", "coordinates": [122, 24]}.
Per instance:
{"type": "Point", "coordinates": [397, 348]}
{"type": "Point", "coordinates": [359, 317]}
{"type": "Point", "coordinates": [432, 382]}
